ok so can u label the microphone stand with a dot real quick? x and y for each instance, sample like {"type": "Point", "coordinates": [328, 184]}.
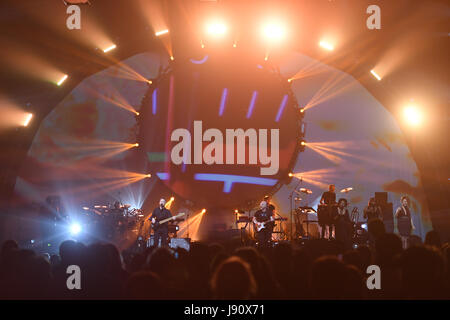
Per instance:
{"type": "Point", "coordinates": [292, 211]}
{"type": "Point", "coordinates": [187, 225]}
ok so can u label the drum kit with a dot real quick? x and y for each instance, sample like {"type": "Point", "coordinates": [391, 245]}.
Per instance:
{"type": "Point", "coordinates": [115, 218]}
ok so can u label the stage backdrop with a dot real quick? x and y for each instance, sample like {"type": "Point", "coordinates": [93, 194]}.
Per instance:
{"type": "Point", "coordinates": [79, 151]}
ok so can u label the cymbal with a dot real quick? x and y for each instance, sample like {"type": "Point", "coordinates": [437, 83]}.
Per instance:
{"type": "Point", "coordinates": [304, 190]}
{"type": "Point", "coordinates": [345, 190]}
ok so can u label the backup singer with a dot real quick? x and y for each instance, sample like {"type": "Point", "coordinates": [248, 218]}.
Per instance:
{"type": "Point", "coordinates": [160, 231]}
{"type": "Point", "coordinates": [343, 224]}
{"type": "Point", "coordinates": [404, 221]}
{"type": "Point", "coordinates": [372, 211]}
{"type": "Point", "coordinates": [263, 220]}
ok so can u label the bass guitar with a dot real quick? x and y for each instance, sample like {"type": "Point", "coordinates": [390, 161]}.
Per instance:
{"type": "Point", "coordinates": [158, 223]}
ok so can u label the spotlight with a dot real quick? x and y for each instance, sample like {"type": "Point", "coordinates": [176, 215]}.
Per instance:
{"type": "Point", "coordinates": [375, 75]}
{"type": "Point", "coordinates": [203, 211]}
{"type": "Point", "coordinates": [27, 119]}
{"type": "Point", "coordinates": [412, 115]}
{"type": "Point", "coordinates": [172, 58]}
{"type": "Point", "coordinates": [290, 174]}
{"type": "Point", "coordinates": [160, 33]}
{"type": "Point", "coordinates": [172, 198]}
{"type": "Point", "coordinates": [149, 81]}
{"type": "Point", "coordinates": [234, 45]}
{"type": "Point", "coordinates": [302, 110]}
{"type": "Point", "coordinates": [75, 229]}
{"type": "Point", "coordinates": [137, 113]}
{"type": "Point", "coordinates": [364, 226]}
{"type": "Point", "coordinates": [136, 144]}
{"type": "Point", "coordinates": [303, 143]}
{"type": "Point", "coordinates": [274, 31]}
{"type": "Point", "coordinates": [216, 28]}
{"type": "Point", "coordinates": [148, 175]}
{"type": "Point", "coordinates": [62, 80]}
{"type": "Point", "coordinates": [236, 211]}
{"type": "Point", "coordinates": [326, 45]}
{"type": "Point", "coordinates": [109, 48]}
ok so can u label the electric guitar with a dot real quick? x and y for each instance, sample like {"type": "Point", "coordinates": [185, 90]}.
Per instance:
{"type": "Point", "coordinates": [158, 223]}
{"type": "Point", "coordinates": [261, 225]}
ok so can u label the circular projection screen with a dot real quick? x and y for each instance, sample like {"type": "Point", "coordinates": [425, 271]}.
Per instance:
{"type": "Point", "coordinates": [219, 133]}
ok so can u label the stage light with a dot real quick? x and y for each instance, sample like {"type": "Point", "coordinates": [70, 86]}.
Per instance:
{"type": "Point", "coordinates": [274, 31]}
{"type": "Point", "coordinates": [172, 198]}
{"type": "Point", "coordinates": [364, 226]}
{"type": "Point", "coordinates": [326, 45]}
{"type": "Point", "coordinates": [216, 28]}
{"type": "Point", "coordinates": [412, 115]}
{"type": "Point", "coordinates": [303, 143]}
{"type": "Point", "coordinates": [149, 81]}
{"type": "Point", "coordinates": [136, 144]}
{"type": "Point", "coordinates": [375, 75]}
{"type": "Point", "coordinates": [160, 33]}
{"type": "Point", "coordinates": [27, 119]}
{"type": "Point", "coordinates": [290, 174]}
{"type": "Point", "coordinates": [75, 229]}
{"type": "Point", "coordinates": [236, 211]}
{"type": "Point", "coordinates": [109, 48]}
{"type": "Point", "coordinates": [302, 110]}
{"type": "Point", "coordinates": [203, 211]}
{"type": "Point", "coordinates": [203, 46]}
{"type": "Point", "coordinates": [289, 80]}
{"type": "Point", "coordinates": [172, 58]}
{"type": "Point", "coordinates": [85, 208]}
{"type": "Point", "coordinates": [62, 80]}
{"type": "Point", "coordinates": [234, 45]}
{"type": "Point", "coordinates": [148, 175]}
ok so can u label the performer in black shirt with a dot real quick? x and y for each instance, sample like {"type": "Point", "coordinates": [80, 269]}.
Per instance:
{"type": "Point", "coordinates": [327, 211]}
{"type": "Point", "coordinates": [161, 231]}
{"type": "Point", "coordinates": [263, 221]}
{"type": "Point", "coordinates": [329, 197]}
{"type": "Point", "coordinates": [269, 204]}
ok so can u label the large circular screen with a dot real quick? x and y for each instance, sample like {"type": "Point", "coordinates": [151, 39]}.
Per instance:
{"type": "Point", "coordinates": [219, 133]}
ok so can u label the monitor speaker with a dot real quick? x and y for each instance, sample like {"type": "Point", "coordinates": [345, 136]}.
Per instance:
{"type": "Point", "coordinates": [381, 198]}
{"type": "Point", "coordinates": [184, 243]}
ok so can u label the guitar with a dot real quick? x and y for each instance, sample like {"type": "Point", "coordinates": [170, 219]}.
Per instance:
{"type": "Point", "coordinates": [261, 225]}
{"type": "Point", "coordinates": [158, 223]}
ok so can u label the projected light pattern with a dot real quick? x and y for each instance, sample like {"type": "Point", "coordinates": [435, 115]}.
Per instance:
{"type": "Point", "coordinates": [230, 179]}
{"type": "Point", "coordinates": [154, 100]}
{"type": "Point", "coordinates": [163, 175]}
{"type": "Point", "coordinates": [202, 61]}
{"type": "Point", "coordinates": [252, 104]}
{"type": "Point", "coordinates": [223, 101]}
{"type": "Point", "coordinates": [281, 109]}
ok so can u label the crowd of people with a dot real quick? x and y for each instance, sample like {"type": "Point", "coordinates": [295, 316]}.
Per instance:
{"type": "Point", "coordinates": [316, 269]}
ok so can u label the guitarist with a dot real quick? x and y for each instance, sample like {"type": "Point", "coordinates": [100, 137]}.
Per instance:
{"type": "Point", "coordinates": [160, 231]}
{"type": "Point", "coordinates": [264, 217]}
